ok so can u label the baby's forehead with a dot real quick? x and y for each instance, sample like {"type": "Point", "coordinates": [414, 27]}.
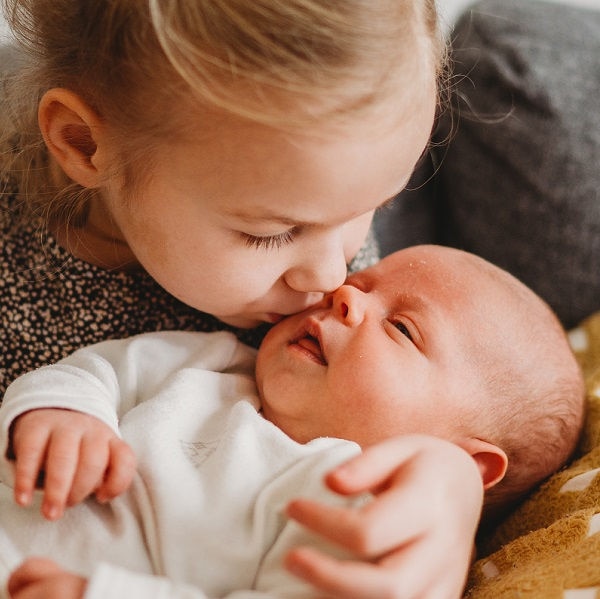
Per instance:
{"type": "Point", "coordinates": [421, 256]}
{"type": "Point", "coordinates": [436, 266]}
{"type": "Point", "coordinates": [446, 275]}
{"type": "Point", "coordinates": [464, 285]}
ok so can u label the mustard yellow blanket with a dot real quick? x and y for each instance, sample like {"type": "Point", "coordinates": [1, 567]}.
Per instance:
{"type": "Point", "coordinates": [549, 548]}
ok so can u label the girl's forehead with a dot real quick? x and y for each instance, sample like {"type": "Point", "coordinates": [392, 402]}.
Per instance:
{"type": "Point", "coordinates": [279, 175]}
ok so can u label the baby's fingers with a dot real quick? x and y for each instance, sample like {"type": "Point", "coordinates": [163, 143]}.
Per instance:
{"type": "Point", "coordinates": [346, 527]}
{"type": "Point", "coordinates": [39, 578]}
{"type": "Point", "coordinates": [30, 451]}
{"type": "Point", "coordinates": [370, 531]}
{"type": "Point", "coordinates": [61, 466]}
{"type": "Point", "coordinates": [93, 456]}
{"type": "Point", "coordinates": [30, 571]}
{"type": "Point", "coordinates": [119, 473]}
{"type": "Point", "coordinates": [377, 465]}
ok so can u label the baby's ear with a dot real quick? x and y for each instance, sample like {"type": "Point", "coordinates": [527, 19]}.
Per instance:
{"type": "Point", "coordinates": [491, 460]}
{"type": "Point", "coordinates": [71, 129]}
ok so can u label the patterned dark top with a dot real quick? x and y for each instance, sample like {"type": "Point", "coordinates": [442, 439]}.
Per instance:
{"type": "Point", "coordinates": [52, 303]}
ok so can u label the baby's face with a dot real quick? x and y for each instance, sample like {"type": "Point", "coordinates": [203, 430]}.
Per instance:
{"type": "Point", "coordinates": [385, 354]}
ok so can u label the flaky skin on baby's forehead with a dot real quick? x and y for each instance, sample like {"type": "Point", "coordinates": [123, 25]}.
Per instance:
{"type": "Point", "coordinates": [468, 275]}
{"type": "Point", "coordinates": [478, 279]}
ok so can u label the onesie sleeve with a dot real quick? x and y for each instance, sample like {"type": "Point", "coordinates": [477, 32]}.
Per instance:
{"type": "Point", "coordinates": [303, 479]}
{"type": "Point", "coordinates": [108, 379]}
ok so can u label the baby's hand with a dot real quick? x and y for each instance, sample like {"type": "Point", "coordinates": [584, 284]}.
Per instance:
{"type": "Point", "coordinates": [70, 455]}
{"type": "Point", "coordinates": [415, 539]}
{"type": "Point", "coordinates": [40, 578]}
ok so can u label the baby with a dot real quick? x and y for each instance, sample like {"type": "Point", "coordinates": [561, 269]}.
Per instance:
{"type": "Point", "coordinates": [432, 344]}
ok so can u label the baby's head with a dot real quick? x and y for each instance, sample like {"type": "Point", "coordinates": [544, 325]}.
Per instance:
{"type": "Point", "coordinates": [437, 341]}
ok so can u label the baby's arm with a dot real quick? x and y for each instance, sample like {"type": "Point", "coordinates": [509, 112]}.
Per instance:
{"type": "Point", "coordinates": [414, 540]}
{"type": "Point", "coordinates": [70, 455]}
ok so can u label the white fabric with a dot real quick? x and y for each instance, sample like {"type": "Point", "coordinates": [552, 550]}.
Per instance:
{"type": "Point", "coordinates": [204, 516]}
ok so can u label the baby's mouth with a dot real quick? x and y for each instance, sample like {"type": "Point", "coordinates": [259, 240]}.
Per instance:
{"type": "Point", "coordinates": [312, 345]}
{"type": "Point", "coordinates": [308, 339]}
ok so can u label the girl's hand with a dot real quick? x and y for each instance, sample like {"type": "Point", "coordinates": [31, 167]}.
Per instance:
{"type": "Point", "coordinates": [70, 455]}
{"type": "Point", "coordinates": [38, 578]}
{"type": "Point", "coordinates": [414, 540]}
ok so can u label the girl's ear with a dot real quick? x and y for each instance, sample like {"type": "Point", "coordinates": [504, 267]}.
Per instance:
{"type": "Point", "coordinates": [71, 130]}
{"type": "Point", "coordinates": [491, 460]}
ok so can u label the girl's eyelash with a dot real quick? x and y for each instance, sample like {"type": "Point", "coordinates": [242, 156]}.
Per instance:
{"type": "Point", "coordinates": [269, 242]}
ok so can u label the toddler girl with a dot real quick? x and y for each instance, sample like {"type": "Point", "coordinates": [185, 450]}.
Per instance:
{"type": "Point", "coordinates": [177, 164]}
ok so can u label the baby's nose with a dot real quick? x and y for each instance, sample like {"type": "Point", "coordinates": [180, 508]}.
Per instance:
{"type": "Point", "coordinates": [348, 304]}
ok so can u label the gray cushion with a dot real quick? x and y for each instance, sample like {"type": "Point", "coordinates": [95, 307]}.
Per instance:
{"type": "Point", "coordinates": [519, 182]}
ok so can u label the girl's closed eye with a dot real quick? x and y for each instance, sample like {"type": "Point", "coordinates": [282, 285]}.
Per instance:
{"type": "Point", "coordinates": [269, 242]}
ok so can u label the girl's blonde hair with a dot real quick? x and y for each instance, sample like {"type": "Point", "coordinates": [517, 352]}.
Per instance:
{"type": "Point", "coordinates": [142, 65]}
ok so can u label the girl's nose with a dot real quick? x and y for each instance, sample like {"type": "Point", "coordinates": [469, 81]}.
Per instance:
{"type": "Point", "coordinates": [349, 304]}
{"type": "Point", "coordinates": [321, 269]}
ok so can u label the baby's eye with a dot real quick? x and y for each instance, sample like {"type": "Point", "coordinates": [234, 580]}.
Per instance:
{"type": "Point", "coordinates": [403, 329]}
{"type": "Point", "coordinates": [268, 242]}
